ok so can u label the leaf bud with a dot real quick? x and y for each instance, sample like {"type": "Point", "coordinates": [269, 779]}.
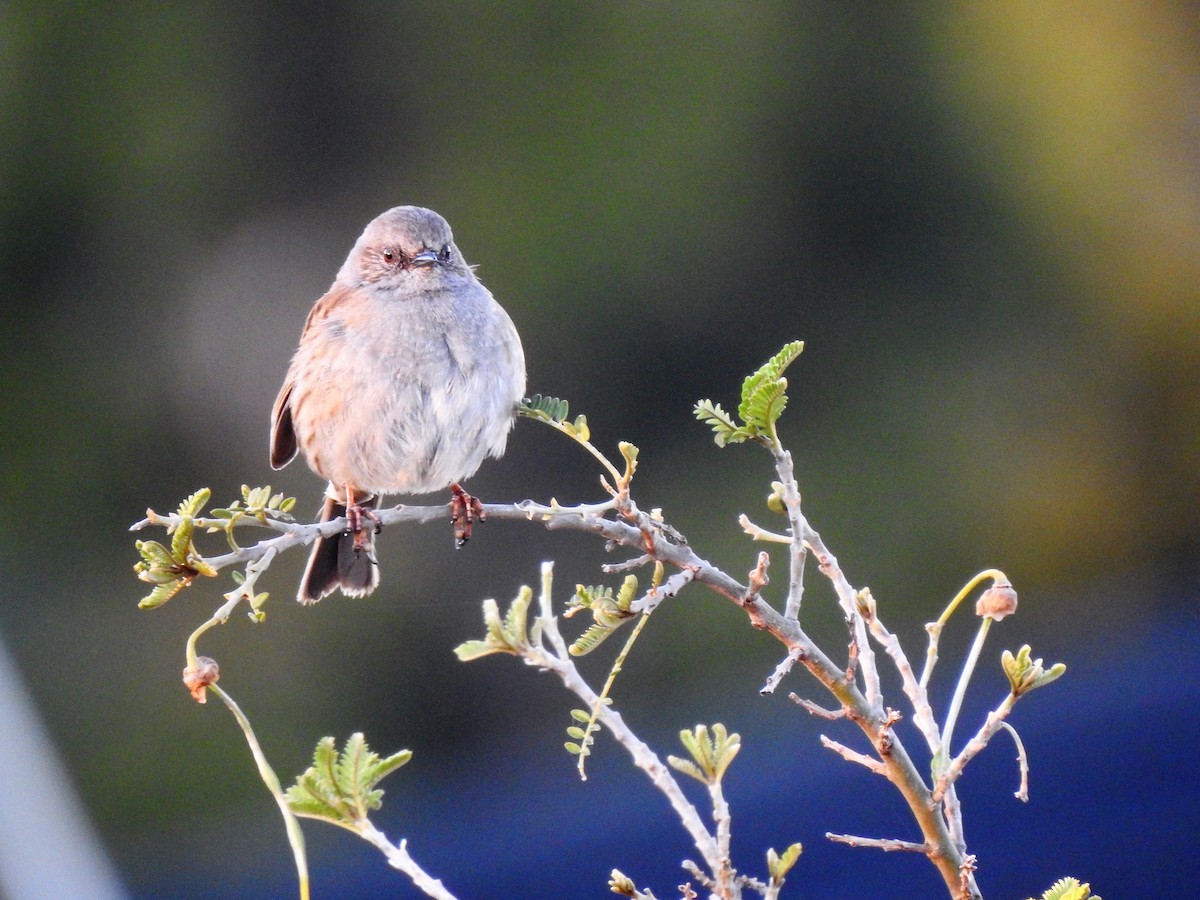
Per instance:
{"type": "Point", "coordinates": [996, 602]}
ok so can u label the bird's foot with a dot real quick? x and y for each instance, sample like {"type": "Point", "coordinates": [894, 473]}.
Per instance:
{"type": "Point", "coordinates": [355, 514]}
{"type": "Point", "coordinates": [464, 510]}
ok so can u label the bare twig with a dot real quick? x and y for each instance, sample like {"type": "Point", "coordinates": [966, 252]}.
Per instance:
{"type": "Point", "coordinates": [819, 711]}
{"type": "Point", "coordinates": [759, 578]}
{"type": "Point", "coordinates": [636, 563]}
{"type": "Point", "coordinates": [798, 524]}
{"type": "Point", "coordinates": [848, 600]}
{"type": "Point", "coordinates": [917, 695]}
{"type": "Point", "coordinates": [854, 756]}
{"type": "Point", "coordinates": [885, 844]}
{"type": "Point", "coordinates": [1022, 792]}
{"type": "Point", "coordinates": [761, 534]}
{"type": "Point", "coordinates": [780, 672]}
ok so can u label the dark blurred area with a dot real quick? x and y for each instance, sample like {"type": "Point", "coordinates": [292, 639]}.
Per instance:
{"type": "Point", "coordinates": [984, 221]}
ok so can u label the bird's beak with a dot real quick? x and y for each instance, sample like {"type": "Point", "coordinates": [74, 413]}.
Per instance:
{"type": "Point", "coordinates": [425, 258]}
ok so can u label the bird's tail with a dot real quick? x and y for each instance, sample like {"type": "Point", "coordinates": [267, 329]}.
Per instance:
{"type": "Point", "coordinates": [335, 562]}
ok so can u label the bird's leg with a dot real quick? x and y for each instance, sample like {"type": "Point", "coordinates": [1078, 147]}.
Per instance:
{"type": "Point", "coordinates": [464, 509]}
{"type": "Point", "coordinates": [354, 520]}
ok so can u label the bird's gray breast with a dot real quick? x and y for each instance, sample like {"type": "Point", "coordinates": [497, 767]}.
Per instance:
{"type": "Point", "coordinates": [436, 364]}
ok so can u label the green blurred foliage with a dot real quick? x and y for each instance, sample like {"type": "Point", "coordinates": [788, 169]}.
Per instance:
{"type": "Point", "coordinates": [982, 220]}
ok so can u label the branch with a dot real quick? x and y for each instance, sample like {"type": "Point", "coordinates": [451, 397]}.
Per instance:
{"type": "Point", "coordinates": [619, 522]}
{"type": "Point", "coordinates": [868, 762]}
{"type": "Point", "coordinates": [886, 844]}
{"type": "Point", "coordinates": [995, 721]}
{"type": "Point", "coordinates": [398, 858]}
{"type": "Point", "coordinates": [848, 600]}
{"type": "Point", "coordinates": [781, 670]}
{"type": "Point", "coordinates": [559, 662]}
{"type": "Point", "coordinates": [797, 523]}
{"type": "Point", "coordinates": [648, 535]}
{"type": "Point", "coordinates": [923, 716]}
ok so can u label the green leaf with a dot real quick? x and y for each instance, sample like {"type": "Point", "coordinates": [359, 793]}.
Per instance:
{"type": "Point", "coordinates": [181, 543]}
{"type": "Point", "coordinates": [509, 635]}
{"type": "Point", "coordinates": [196, 502]}
{"type": "Point", "coordinates": [771, 371]}
{"type": "Point", "coordinates": [516, 620]}
{"type": "Point", "coordinates": [154, 553]}
{"type": "Point", "coordinates": [162, 594]}
{"type": "Point", "coordinates": [590, 639]}
{"type": "Point", "coordinates": [628, 592]}
{"type": "Point", "coordinates": [763, 407]}
{"type": "Point", "coordinates": [687, 768]}
{"type": "Point", "coordinates": [469, 650]}
{"type": "Point", "coordinates": [763, 397]}
{"type": "Point", "coordinates": [630, 452]}
{"type": "Point", "coordinates": [1026, 674]}
{"type": "Point", "coordinates": [581, 428]}
{"type": "Point", "coordinates": [550, 409]}
{"type": "Point", "coordinates": [1069, 889]}
{"type": "Point", "coordinates": [340, 788]}
{"type": "Point", "coordinates": [725, 430]}
{"type": "Point", "coordinates": [763, 400]}
{"type": "Point", "coordinates": [778, 866]}
{"type": "Point", "coordinates": [712, 754]}
{"type": "Point", "coordinates": [609, 612]}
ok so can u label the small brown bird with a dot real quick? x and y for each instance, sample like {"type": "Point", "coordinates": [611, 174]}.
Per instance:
{"type": "Point", "coordinates": [407, 375]}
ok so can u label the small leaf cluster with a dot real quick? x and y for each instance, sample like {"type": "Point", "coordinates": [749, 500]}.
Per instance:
{"type": "Point", "coordinates": [256, 600]}
{"type": "Point", "coordinates": [507, 635]}
{"type": "Point", "coordinates": [1025, 674]}
{"type": "Point", "coordinates": [711, 754]}
{"type": "Point", "coordinates": [555, 410]}
{"type": "Point", "coordinates": [172, 569]}
{"type": "Point", "coordinates": [583, 737]}
{"type": "Point", "coordinates": [1069, 889]}
{"type": "Point", "coordinates": [764, 397]}
{"type": "Point", "coordinates": [257, 503]}
{"type": "Point", "coordinates": [621, 884]}
{"type": "Point", "coordinates": [340, 788]}
{"type": "Point", "coordinates": [610, 612]}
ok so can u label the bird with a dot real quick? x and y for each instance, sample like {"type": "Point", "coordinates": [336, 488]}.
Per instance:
{"type": "Point", "coordinates": [407, 376]}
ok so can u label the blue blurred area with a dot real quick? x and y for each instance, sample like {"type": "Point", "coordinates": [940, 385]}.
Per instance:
{"type": "Point", "coordinates": [984, 221]}
{"type": "Point", "coordinates": [1112, 801]}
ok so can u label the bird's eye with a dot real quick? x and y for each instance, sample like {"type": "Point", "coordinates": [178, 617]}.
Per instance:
{"type": "Point", "coordinates": [389, 255]}
{"type": "Point", "coordinates": [444, 254]}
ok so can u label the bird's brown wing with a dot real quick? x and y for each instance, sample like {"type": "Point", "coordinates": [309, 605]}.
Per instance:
{"type": "Point", "coordinates": [283, 435]}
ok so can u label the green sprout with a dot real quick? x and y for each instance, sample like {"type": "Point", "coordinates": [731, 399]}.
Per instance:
{"type": "Point", "coordinates": [764, 397]}
{"type": "Point", "coordinates": [340, 788]}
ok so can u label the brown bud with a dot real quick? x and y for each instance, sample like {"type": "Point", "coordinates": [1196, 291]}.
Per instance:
{"type": "Point", "coordinates": [196, 678]}
{"type": "Point", "coordinates": [998, 601]}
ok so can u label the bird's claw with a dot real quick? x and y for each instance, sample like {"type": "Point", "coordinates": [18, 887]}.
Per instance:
{"type": "Point", "coordinates": [355, 515]}
{"type": "Point", "coordinates": [464, 510]}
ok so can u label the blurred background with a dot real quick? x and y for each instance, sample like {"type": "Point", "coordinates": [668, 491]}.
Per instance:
{"type": "Point", "coordinates": [984, 221]}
